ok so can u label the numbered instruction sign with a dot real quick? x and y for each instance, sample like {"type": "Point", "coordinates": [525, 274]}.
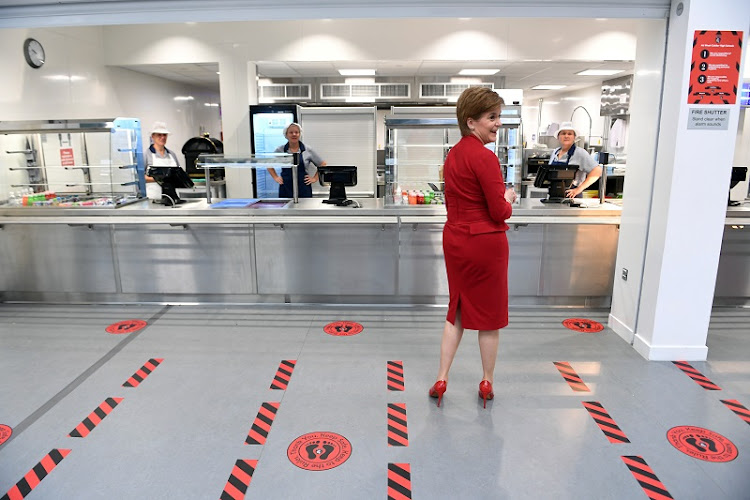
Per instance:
{"type": "Point", "coordinates": [715, 67]}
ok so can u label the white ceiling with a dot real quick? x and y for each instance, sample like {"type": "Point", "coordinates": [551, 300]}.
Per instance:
{"type": "Point", "coordinates": [518, 74]}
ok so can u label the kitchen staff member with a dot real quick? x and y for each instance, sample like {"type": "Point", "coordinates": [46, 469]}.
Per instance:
{"type": "Point", "coordinates": [307, 166]}
{"type": "Point", "coordinates": [157, 155]}
{"type": "Point", "coordinates": [568, 154]}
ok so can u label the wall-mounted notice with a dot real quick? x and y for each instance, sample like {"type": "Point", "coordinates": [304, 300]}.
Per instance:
{"type": "Point", "coordinates": [715, 67]}
{"type": "Point", "coordinates": [708, 119]}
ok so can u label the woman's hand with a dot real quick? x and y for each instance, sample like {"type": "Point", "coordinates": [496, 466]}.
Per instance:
{"type": "Point", "coordinates": [311, 180]}
{"type": "Point", "coordinates": [510, 195]}
{"type": "Point", "coordinates": [278, 179]}
{"type": "Point", "coordinates": [573, 192]}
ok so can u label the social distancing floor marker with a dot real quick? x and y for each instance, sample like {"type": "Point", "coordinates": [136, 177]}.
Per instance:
{"type": "Point", "coordinates": [399, 481]}
{"type": "Point", "coordinates": [262, 424]}
{"type": "Point", "coordinates": [95, 417]}
{"type": "Point", "coordinates": [32, 478]}
{"type": "Point", "coordinates": [697, 376]}
{"type": "Point", "coordinates": [605, 422]}
{"type": "Point", "coordinates": [571, 377]}
{"type": "Point", "coordinates": [652, 487]}
{"type": "Point", "coordinates": [398, 434]}
{"type": "Point", "coordinates": [143, 372]}
{"type": "Point", "coordinates": [239, 480]}
{"type": "Point", "coordinates": [343, 328]}
{"type": "Point", "coordinates": [283, 374]}
{"type": "Point", "coordinates": [5, 433]}
{"type": "Point", "coordinates": [319, 451]}
{"type": "Point", "coordinates": [732, 404]}
{"type": "Point", "coordinates": [702, 444]}
{"type": "Point", "coordinates": [126, 326]}
{"type": "Point", "coordinates": [395, 375]}
{"type": "Point", "coordinates": [583, 325]}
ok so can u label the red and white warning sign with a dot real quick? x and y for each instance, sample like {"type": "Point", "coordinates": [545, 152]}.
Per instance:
{"type": "Point", "coordinates": [126, 326]}
{"type": "Point", "coordinates": [66, 157]}
{"type": "Point", "coordinates": [715, 67]}
{"type": "Point", "coordinates": [343, 328]}
{"type": "Point", "coordinates": [319, 451]}
{"type": "Point", "coordinates": [702, 444]}
{"type": "Point", "coordinates": [583, 325]}
{"type": "Point", "coordinates": [5, 433]}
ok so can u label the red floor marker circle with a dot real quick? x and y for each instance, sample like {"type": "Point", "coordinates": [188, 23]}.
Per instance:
{"type": "Point", "coordinates": [343, 328]}
{"type": "Point", "coordinates": [702, 443]}
{"type": "Point", "coordinates": [583, 325]}
{"type": "Point", "coordinates": [319, 451]}
{"type": "Point", "coordinates": [126, 326]}
{"type": "Point", "coordinates": [5, 433]}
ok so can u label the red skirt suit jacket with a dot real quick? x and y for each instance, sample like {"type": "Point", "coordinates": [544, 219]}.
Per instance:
{"type": "Point", "coordinates": [474, 241]}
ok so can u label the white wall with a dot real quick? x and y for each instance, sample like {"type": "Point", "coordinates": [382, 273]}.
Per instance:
{"type": "Point", "coordinates": [76, 83]}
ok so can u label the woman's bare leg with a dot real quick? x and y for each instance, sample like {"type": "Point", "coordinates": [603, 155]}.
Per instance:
{"type": "Point", "coordinates": [452, 335]}
{"type": "Point", "coordinates": [488, 342]}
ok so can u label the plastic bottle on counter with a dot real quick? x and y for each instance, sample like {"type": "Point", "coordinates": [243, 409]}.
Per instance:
{"type": "Point", "coordinates": [420, 198]}
{"type": "Point", "coordinates": [412, 198]}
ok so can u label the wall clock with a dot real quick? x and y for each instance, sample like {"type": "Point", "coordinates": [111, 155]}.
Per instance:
{"type": "Point", "coordinates": [33, 52]}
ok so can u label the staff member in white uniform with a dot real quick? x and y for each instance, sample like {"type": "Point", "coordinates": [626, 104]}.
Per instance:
{"type": "Point", "coordinates": [157, 155]}
{"type": "Point", "coordinates": [588, 170]}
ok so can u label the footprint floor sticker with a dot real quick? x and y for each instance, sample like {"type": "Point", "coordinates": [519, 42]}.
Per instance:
{"type": "Point", "coordinates": [319, 451]}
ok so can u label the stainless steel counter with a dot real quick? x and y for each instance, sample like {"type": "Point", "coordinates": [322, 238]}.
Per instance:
{"type": "Point", "coordinates": [310, 251]}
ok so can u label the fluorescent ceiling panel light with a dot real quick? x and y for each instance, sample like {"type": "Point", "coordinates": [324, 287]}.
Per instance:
{"type": "Point", "coordinates": [184, 98]}
{"type": "Point", "coordinates": [599, 72]}
{"type": "Point", "coordinates": [548, 87]}
{"type": "Point", "coordinates": [357, 72]}
{"type": "Point", "coordinates": [478, 72]}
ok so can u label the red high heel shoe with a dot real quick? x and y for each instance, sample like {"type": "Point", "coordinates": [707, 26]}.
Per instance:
{"type": "Point", "coordinates": [485, 391]}
{"type": "Point", "coordinates": [438, 390]}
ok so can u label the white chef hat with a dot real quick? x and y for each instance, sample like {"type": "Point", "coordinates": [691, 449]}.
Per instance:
{"type": "Point", "coordinates": [286, 129]}
{"type": "Point", "coordinates": [567, 126]}
{"type": "Point", "coordinates": [159, 128]}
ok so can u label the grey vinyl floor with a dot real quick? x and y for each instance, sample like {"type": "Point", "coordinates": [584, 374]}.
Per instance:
{"type": "Point", "coordinates": [181, 432]}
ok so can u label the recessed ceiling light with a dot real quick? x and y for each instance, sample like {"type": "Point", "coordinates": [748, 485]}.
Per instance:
{"type": "Point", "coordinates": [599, 72]}
{"type": "Point", "coordinates": [477, 72]}
{"type": "Point", "coordinates": [548, 87]}
{"type": "Point", "coordinates": [357, 72]}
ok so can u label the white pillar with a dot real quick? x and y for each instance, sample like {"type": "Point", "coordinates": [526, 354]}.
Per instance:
{"type": "Point", "coordinates": [688, 204]}
{"type": "Point", "coordinates": [239, 88]}
{"type": "Point", "coordinates": [639, 182]}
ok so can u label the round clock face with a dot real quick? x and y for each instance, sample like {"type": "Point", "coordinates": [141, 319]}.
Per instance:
{"type": "Point", "coordinates": [34, 53]}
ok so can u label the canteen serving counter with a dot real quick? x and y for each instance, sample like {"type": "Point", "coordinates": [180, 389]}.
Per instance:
{"type": "Point", "coordinates": [305, 252]}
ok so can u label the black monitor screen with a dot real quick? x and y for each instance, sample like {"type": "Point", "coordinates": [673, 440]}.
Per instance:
{"type": "Point", "coordinates": [557, 178]}
{"type": "Point", "coordinates": [170, 179]}
{"type": "Point", "coordinates": [338, 176]}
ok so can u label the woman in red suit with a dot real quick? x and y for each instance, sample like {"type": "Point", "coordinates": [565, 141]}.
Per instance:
{"type": "Point", "coordinates": [474, 241]}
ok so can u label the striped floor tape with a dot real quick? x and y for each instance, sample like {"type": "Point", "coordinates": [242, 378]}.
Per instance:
{"type": "Point", "coordinates": [144, 372]}
{"type": "Point", "coordinates": [737, 408]}
{"type": "Point", "coordinates": [697, 376]}
{"type": "Point", "coordinates": [571, 377]}
{"type": "Point", "coordinates": [652, 487]}
{"type": "Point", "coordinates": [239, 480]}
{"type": "Point", "coordinates": [605, 422]}
{"type": "Point", "coordinates": [399, 481]}
{"type": "Point", "coordinates": [262, 424]}
{"type": "Point", "coordinates": [32, 478]}
{"type": "Point", "coordinates": [283, 374]}
{"type": "Point", "coordinates": [395, 375]}
{"type": "Point", "coordinates": [398, 434]}
{"type": "Point", "coordinates": [95, 417]}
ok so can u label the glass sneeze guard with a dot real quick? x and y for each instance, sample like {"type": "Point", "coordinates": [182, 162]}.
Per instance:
{"type": "Point", "coordinates": [258, 160]}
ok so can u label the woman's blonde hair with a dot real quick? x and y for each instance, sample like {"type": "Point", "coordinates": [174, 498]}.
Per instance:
{"type": "Point", "coordinates": [473, 103]}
